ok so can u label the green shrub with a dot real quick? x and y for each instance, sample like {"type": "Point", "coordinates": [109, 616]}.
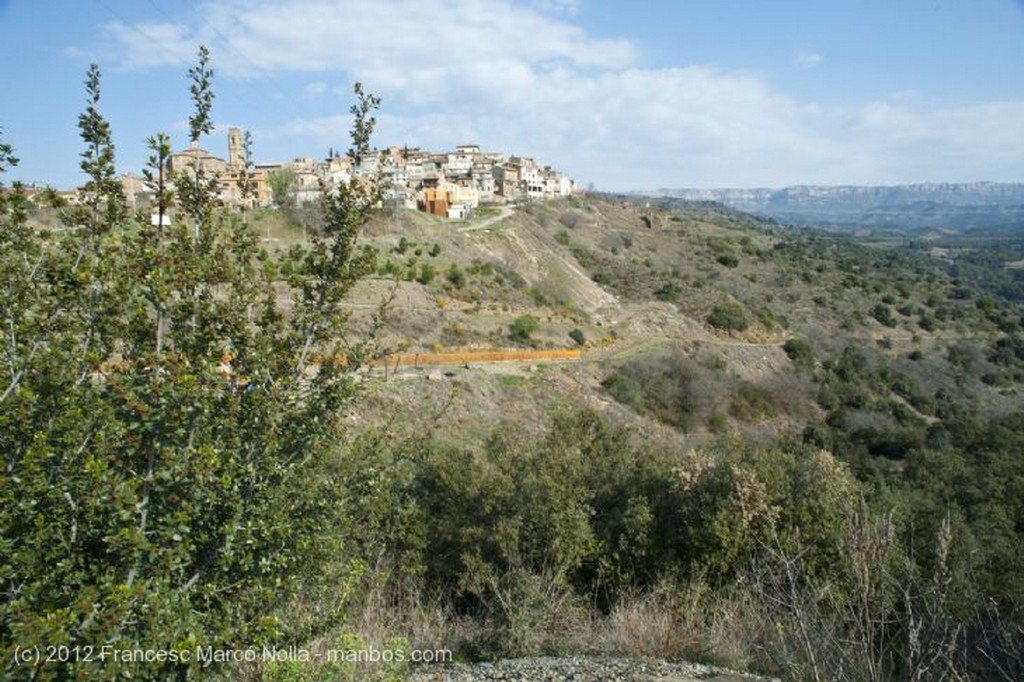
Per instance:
{"type": "Point", "coordinates": [928, 323]}
{"type": "Point", "coordinates": [667, 386]}
{"type": "Point", "coordinates": [390, 269]}
{"type": "Point", "coordinates": [750, 403]}
{"type": "Point", "coordinates": [403, 246]}
{"type": "Point", "coordinates": [427, 274]}
{"type": "Point", "coordinates": [670, 291]}
{"type": "Point", "coordinates": [456, 277]}
{"type": "Point", "coordinates": [728, 260]}
{"type": "Point", "coordinates": [768, 319]}
{"type": "Point", "coordinates": [729, 317]}
{"type": "Point", "coordinates": [479, 267]}
{"type": "Point", "coordinates": [799, 351]}
{"type": "Point", "coordinates": [883, 314]}
{"type": "Point", "coordinates": [578, 336]}
{"type": "Point", "coordinates": [522, 327]}
{"type": "Point", "coordinates": [514, 535]}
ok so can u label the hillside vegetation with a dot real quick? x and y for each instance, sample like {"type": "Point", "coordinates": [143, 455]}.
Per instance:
{"type": "Point", "coordinates": [784, 451]}
{"type": "Point", "coordinates": [783, 432]}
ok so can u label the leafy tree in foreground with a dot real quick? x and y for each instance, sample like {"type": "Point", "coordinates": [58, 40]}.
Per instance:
{"type": "Point", "coordinates": [161, 419]}
{"type": "Point", "coordinates": [103, 202]}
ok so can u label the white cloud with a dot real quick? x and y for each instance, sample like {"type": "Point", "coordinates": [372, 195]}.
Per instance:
{"type": "Point", "coordinates": [516, 78]}
{"type": "Point", "coordinates": [566, 7]}
{"type": "Point", "coordinates": [366, 35]}
{"type": "Point", "coordinates": [147, 45]}
{"type": "Point", "coordinates": [314, 89]}
{"type": "Point", "coordinates": [807, 60]}
{"type": "Point", "coordinates": [981, 141]}
{"type": "Point", "coordinates": [324, 127]}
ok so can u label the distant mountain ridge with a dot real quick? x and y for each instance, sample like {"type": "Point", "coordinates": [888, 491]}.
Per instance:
{"type": "Point", "coordinates": [959, 206]}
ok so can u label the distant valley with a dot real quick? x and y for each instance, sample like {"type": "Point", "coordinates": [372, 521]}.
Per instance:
{"type": "Point", "coordinates": [950, 206]}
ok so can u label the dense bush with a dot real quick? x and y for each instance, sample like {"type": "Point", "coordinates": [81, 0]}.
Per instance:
{"type": "Point", "coordinates": [799, 351]}
{"type": "Point", "coordinates": [527, 535]}
{"type": "Point", "coordinates": [513, 534]}
{"type": "Point", "coordinates": [883, 314]}
{"type": "Point", "coordinates": [669, 387]}
{"type": "Point", "coordinates": [403, 245]}
{"type": "Point", "coordinates": [522, 327]}
{"type": "Point", "coordinates": [524, 534]}
{"type": "Point", "coordinates": [729, 316]}
{"type": "Point", "coordinates": [455, 276]}
{"type": "Point", "coordinates": [427, 274]}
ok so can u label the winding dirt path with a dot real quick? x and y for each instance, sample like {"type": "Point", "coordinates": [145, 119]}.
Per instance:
{"type": "Point", "coordinates": [503, 212]}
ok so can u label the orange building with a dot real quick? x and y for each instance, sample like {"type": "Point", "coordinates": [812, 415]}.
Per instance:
{"type": "Point", "coordinates": [436, 201]}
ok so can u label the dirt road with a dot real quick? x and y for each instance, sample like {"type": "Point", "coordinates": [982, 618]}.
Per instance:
{"type": "Point", "coordinates": [503, 212]}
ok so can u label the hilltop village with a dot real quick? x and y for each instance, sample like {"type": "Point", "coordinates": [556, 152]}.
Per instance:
{"type": "Point", "coordinates": [448, 184]}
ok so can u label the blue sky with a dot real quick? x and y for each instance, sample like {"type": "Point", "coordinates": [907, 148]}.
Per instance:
{"type": "Point", "coordinates": [638, 95]}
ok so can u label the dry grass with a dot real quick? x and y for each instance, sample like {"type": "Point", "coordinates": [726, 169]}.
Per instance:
{"type": "Point", "coordinates": [682, 623]}
{"type": "Point", "coordinates": [459, 357]}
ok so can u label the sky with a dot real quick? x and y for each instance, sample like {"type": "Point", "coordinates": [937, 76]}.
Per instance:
{"type": "Point", "coordinates": [619, 95]}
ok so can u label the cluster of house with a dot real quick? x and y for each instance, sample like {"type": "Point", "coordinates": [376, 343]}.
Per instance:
{"type": "Point", "coordinates": [448, 184]}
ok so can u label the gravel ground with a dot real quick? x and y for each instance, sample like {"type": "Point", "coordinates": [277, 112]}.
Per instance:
{"type": "Point", "coordinates": [581, 669]}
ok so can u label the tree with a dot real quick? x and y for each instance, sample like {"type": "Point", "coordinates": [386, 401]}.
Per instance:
{"type": "Point", "coordinates": [196, 189]}
{"type": "Point", "coordinates": [282, 182]}
{"type": "Point", "coordinates": [246, 182]}
{"type": "Point", "coordinates": [363, 123]}
{"type": "Point", "coordinates": [7, 158]}
{"type": "Point", "coordinates": [19, 256]}
{"type": "Point", "coordinates": [156, 173]}
{"type": "Point", "coordinates": [162, 418]}
{"type": "Point", "coordinates": [103, 201]}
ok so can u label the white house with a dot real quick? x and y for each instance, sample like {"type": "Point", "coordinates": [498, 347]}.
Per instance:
{"type": "Point", "coordinates": [459, 164]}
{"type": "Point", "coordinates": [532, 182]}
{"type": "Point", "coordinates": [483, 181]}
{"type": "Point", "coordinates": [458, 212]}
